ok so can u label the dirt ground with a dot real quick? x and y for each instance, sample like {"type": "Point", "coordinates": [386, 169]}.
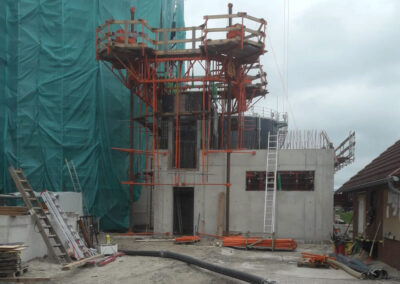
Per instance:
{"type": "Point", "coordinates": [278, 266]}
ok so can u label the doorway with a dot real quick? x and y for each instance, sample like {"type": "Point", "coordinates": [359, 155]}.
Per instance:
{"type": "Point", "coordinates": [183, 210]}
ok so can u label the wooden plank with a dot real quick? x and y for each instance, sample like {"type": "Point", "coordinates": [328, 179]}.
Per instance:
{"type": "Point", "coordinates": [258, 20]}
{"type": "Point", "coordinates": [227, 29]}
{"type": "Point", "coordinates": [253, 31]}
{"type": "Point", "coordinates": [180, 40]}
{"type": "Point", "coordinates": [85, 234]}
{"type": "Point", "coordinates": [24, 279]}
{"type": "Point", "coordinates": [220, 218]}
{"type": "Point", "coordinates": [178, 29]}
{"type": "Point", "coordinates": [223, 16]}
{"type": "Point", "coordinates": [80, 262]}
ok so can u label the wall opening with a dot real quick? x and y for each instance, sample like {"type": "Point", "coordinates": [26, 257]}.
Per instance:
{"type": "Point", "coordinates": [286, 180]}
{"type": "Point", "coordinates": [186, 157]}
{"type": "Point", "coordinates": [255, 181]}
{"type": "Point", "coordinates": [296, 180]}
{"type": "Point", "coordinates": [183, 210]}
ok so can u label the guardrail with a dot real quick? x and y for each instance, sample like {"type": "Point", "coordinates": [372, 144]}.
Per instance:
{"type": "Point", "coordinates": [138, 33]}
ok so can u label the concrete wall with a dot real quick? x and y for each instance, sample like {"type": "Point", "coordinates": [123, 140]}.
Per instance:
{"type": "Point", "coordinates": [304, 215]}
{"type": "Point", "coordinates": [142, 208]}
{"type": "Point", "coordinates": [23, 229]}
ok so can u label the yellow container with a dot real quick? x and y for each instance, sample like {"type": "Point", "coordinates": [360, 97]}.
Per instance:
{"type": "Point", "coordinates": [108, 239]}
{"type": "Point", "coordinates": [348, 248]}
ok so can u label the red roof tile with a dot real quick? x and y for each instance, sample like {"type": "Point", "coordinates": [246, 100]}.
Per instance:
{"type": "Point", "coordinates": [379, 168]}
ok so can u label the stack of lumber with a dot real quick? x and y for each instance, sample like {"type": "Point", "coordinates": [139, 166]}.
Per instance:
{"type": "Point", "coordinates": [10, 260]}
{"type": "Point", "coordinates": [258, 242]}
{"type": "Point", "coordinates": [13, 210]}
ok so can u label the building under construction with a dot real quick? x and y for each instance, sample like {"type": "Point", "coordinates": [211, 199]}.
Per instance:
{"type": "Point", "coordinates": [207, 164]}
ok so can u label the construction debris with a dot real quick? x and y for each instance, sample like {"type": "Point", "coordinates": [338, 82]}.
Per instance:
{"type": "Point", "coordinates": [314, 260]}
{"type": "Point", "coordinates": [81, 262]}
{"type": "Point", "coordinates": [10, 260]}
{"type": "Point", "coordinates": [361, 268]}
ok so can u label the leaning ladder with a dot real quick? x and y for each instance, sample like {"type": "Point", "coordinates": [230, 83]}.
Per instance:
{"type": "Point", "coordinates": [75, 182]}
{"type": "Point", "coordinates": [270, 185]}
{"type": "Point", "coordinates": [46, 229]}
{"type": "Point", "coordinates": [73, 175]}
{"type": "Point", "coordinates": [73, 239]}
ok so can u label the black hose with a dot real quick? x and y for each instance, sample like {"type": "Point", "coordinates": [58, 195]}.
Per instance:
{"type": "Point", "coordinates": [191, 260]}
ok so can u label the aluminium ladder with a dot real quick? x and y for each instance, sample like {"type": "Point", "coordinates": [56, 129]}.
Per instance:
{"type": "Point", "coordinates": [71, 236]}
{"type": "Point", "coordinates": [53, 242]}
{"type": "Point", "coordinates": [73, 175]}
{"type": "Point", "coordinates": [75, 182]}
{"type": "Point", "coordinates": [270, 185]}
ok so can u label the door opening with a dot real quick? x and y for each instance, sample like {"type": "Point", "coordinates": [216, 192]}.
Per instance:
{"type": "Point", "coordinates": [183, 210]}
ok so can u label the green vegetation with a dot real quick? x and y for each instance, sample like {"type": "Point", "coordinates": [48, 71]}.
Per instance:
{"type": "Point", "coordinates": [346, 216]}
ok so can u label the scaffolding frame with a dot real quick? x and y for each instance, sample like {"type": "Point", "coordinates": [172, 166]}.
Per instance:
{"type": "Point", "coordinates": [229, 78]}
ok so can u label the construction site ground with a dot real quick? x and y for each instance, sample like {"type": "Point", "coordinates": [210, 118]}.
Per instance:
{"type": "Point", "coordinates": [278, 266]}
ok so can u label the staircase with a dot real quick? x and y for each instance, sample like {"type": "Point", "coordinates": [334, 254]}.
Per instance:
{"type": "Point", "coordinates": [54, 244]}
{"type": "Point", "coordinates": [270, 185]}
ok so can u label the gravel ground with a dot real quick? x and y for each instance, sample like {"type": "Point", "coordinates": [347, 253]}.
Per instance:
{"type": "Point", "coordinates": [278, 266]}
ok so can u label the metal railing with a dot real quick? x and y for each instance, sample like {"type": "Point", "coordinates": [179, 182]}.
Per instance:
{"type": "Point", "coordinates": [264, 112]}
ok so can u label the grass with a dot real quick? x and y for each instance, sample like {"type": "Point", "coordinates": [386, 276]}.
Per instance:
{"type": "Point", "coordinates": [346, 216]}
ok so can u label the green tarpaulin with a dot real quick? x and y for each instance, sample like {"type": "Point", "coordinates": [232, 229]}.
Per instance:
{"type": "Point", "coordinates": [57, 101]}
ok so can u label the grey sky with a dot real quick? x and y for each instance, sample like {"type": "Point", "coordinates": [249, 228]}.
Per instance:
{"type": "Point", "coordinates": [343, 62]}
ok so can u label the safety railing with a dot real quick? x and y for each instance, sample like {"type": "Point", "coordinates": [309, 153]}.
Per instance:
{"type": "Point", "coordinates": [138, 34]}
{"type": "Point", "coordinates": [238, 31]}
{"type": "Point", "coordinates": [264, 112]}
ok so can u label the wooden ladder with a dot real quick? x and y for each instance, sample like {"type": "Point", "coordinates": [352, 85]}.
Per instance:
{"type": "Point", "coordinates": [49, 235]}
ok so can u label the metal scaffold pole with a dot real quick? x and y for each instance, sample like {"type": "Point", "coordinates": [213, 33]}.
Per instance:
{"type": "Point", "coordinates": [130, 174]}
{"type": "Point", "coordinates": [228, 140]}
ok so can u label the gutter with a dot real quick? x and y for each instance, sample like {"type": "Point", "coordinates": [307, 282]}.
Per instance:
{"type": "Point", "coordinates": [389, 180]}
{"type": "Point", "coordinates": [392, 178]}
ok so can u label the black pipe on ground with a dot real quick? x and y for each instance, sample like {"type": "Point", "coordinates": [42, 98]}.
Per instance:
{"type": "Point", "coordinates": [250, 278]}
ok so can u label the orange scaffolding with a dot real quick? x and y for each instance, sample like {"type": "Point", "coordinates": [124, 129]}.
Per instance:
{"type": "Point", "coordinates": [224, 70]}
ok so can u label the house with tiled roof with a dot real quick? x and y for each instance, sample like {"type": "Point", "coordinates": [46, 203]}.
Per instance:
{"type": "Point", "coordinates": [375, 191]}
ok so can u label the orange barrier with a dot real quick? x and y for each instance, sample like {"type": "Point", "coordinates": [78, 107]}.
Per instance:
{"type": "Point", "coordinates": [258, 242]}
{"type": "Point", "coordinates": [187, 239]}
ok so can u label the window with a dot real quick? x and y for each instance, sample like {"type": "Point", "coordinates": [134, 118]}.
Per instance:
{"type": "Point", "coordinates": [286, 180]}
{"type": "Point", "coordinates": [255, 181]}
{"type": "Point", "coordinates": [296, 180]}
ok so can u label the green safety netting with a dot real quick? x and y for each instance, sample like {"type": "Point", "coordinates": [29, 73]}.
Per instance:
{"type": "Point", "coordinates": [57, 101]}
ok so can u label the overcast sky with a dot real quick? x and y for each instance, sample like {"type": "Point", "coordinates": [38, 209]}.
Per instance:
{"type": "Point", "coordinates": [343, 67]}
